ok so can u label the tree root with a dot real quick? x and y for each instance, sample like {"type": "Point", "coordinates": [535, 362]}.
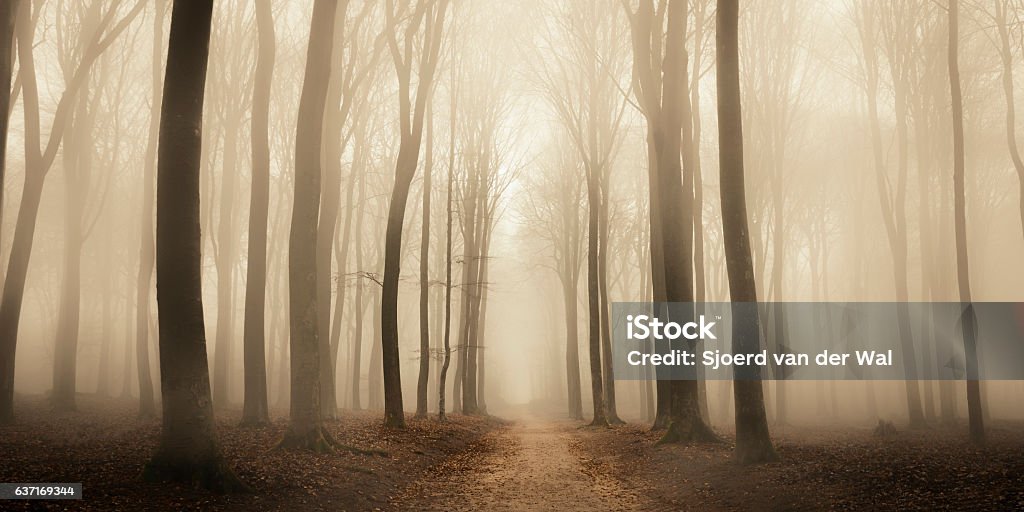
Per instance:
{"type": "Point", "coordinates": [694, 431]}
{"type": "Point", "coordinates": [320, 440]}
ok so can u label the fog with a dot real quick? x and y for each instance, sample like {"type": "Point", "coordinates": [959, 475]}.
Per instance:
{"type": "Point", "coordinates": [849, 190]}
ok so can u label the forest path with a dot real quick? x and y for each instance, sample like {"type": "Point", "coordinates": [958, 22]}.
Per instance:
{"type": "Point", "coordinates": [530, 465]}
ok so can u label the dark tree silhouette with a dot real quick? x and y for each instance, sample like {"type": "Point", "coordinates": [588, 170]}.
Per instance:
{"type": "Point", "coordinates": [752, 441]}
{"type": "Point", "coordinates": [188, 450]}
{"type": "Point", "coordinates": [430, 14]}
{"type": "Point", "coordinates": [254, 408]}
{"type": "Point", "coordinates": [968, 321]}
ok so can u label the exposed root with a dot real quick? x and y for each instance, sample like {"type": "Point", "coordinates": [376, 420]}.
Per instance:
{"type": "Point", "coordinates": [694, 431]}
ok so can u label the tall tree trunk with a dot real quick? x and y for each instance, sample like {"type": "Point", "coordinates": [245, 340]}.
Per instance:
{"type": "Point", "coordinates": [328, 219]}
{"type": "Point", "coordinates": [188, 450]}
{"type": "Point", "coordinates": [607, 371]}
{"type": "Point", "coordinates": [375, 378]}
{"type": "Point", "coordinates": [226, 261]}
{"type": "Point", "coordinates": [753, 444]}
{"type": "Point", "coordinates": [1006, 56]}
{"type": "Point", "coordinates": [357, 337]}
{"type": "Point", "coordinates": [107, 315]}
{"type": "Point", "coordinates": [968, 322]}
{"type": "Point", "coordinates": [594, 297]}
{"type": "Point", "coordinates": [447, 277]}
{"type": "Point", "coordinates": [405, 170]}
{"type": "Point", "coordinates": [424, 376]}
{"type": "Point", "coordinates": [144, 283]}
{"type": "Point", "coordinates": [8, 16]}
{"type": "Point", "coordinates": [255, 410]}
{"type": "Point", "coordinates": [305, 429]}
{"type": "Point", "coordinates": [77, 161]}
{"type": "Point", "coordinates": [572, 345]}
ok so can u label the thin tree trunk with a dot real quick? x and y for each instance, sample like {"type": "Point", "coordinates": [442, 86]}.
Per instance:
{"type": "Point", "coordinates": [594, 298]}
{"type": "Point", "coordinates": [968, 321]}
{"type": "Point", "coordinates": [753, 444]}
{"type": "Point", "coordinates": [8, 16]}
{"type": "Point", "coordinates": [255, 410]}
{"type": "Point", "coordinates": [424, 376]}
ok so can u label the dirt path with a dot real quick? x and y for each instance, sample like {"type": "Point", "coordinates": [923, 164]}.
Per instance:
{"type": "Point", "coordinates": [528, 466]}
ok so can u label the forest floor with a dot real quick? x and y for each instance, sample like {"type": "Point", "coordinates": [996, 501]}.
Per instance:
{"type": "Point", "coordinates": [839, 468]}
{"type": "Point", "coordinates": [105, 446]}
{"type": "Point", "coordinates": [531, 464]}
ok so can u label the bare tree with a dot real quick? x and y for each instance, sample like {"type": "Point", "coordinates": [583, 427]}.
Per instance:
{"type": "Point", "coordinates": [255, 410]}
{"type": "Point", "coordinates": [968, 321]}
{"type": "Point", "coordinates": [188, 450]}
{"type": "Point", "coordinates": [305, 430]}
{"type": "Point", "coordinates": [753, 444]}
{"type": "Point", "coordinates": [430, 15]}
{"type": "Point", "coordinates": [38, 161]}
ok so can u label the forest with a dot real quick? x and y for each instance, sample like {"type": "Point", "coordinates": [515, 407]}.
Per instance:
{"type": "Point", "coordinates": [369, 254]}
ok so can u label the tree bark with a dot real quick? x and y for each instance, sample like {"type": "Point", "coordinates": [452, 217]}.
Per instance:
{"type": "Point", "coordinates": [968, 322]}
{"type": "Point", "coordinates": [424, 376]}
{"type": "Point", "coordinates": [188, 450]}
{"type": "Point", "coordinates": [305, 429]}
{"type": "Point", "coordinates": [753, 444]}
{"type": "Point", "coordinates": [8, 16]}
{"type": "Point", "coordinates": [255, 410]}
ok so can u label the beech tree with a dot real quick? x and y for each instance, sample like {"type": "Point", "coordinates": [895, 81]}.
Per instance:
{"type": "Point", "coordinates": [305, 428]}
{"type": "Point", "coordinates": [188, 450]}
{"type": "Point", "coordinates": [753, 445]}
{"type": "Point", "coordinates": [429, 16]}
{"type": "Point", "coordinates": [255, 410]}
{"type": "Point", "coordinates": [38, 161]}
{"type": "Point", "coordinates": [968, 320]}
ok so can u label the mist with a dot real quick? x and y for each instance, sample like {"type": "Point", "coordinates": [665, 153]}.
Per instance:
{"type": "Point", "coordinates": [379, 193]}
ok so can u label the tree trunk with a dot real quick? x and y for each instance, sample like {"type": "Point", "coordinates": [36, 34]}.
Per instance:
{"type": "Point", "coordinates": [405, 170]}
{"type": "Point", "coordinates": [753, 444]}
{"type": "Point", "coordinates": [424, 376]}
{"type": "Point", "coordinates": [357, 337]}
{"type": "Point", "coordinates": [144, 283]}
{"type": "Point", "coordinates": [188, 450]}
{"type": "Point", "coordinates": [968, 322]}
{"type": "Point", "coordinates": [594, 298]}
{"type": "Point", "coordinates": [447, 281]}
{"type": "Point", "coordinates": [8, 15]}
{"type": "Point", "coordinates": [305, 428]}
{"type": "Point", "coordinates": [255, 410]}
{"type": "Point", "coordinates": [572, 346]}
{"type": "Point", "coordinates": [607, 371]}
{"type": "Point", "coordinates": [77, 161]}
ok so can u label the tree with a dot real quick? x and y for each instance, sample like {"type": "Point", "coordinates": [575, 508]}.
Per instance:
{"type": "Point", "coordinates": [305, 429]}
{"type": "Point", "coordinates": [430, 14]}
{"type": "Point", "coordinates": [893, 202]}
{"type": "Point", "coordinates": [147, 256]}
{"type": "Point", "coordinates": [968, 322]}
{"type": "Point", "coordinates": [188, 450]}
{"type": "Point", "coordinates": [254, 409]}
{"type": "Point", "coordinates": [424, 376]}
{"type": "Point", "coordinates": [660, 86]}
{"type": "Point", "coordinates": [38, 161]}
{"type": "Point", "coordinates": [753, 443]}
{"type": "Point", "coordinates": [1006, 58]}
{"type": "Point", "coordinates": [8, 15]}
